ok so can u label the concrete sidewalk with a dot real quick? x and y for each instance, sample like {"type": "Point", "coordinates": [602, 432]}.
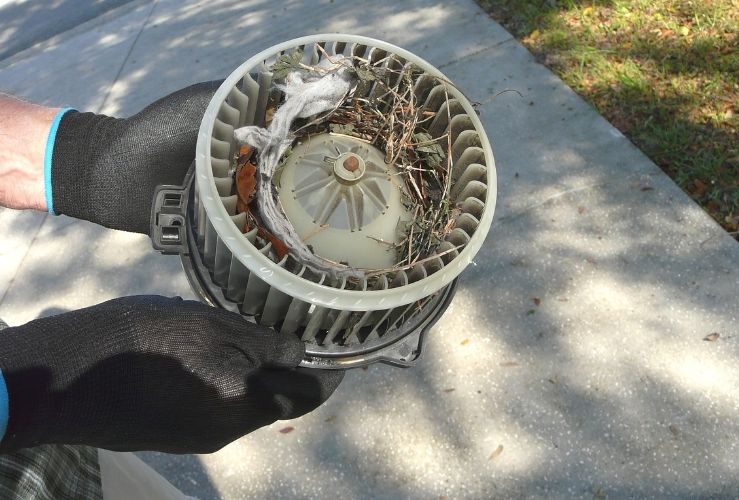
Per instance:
{"type": "Point", "coordinates": [601, 386]}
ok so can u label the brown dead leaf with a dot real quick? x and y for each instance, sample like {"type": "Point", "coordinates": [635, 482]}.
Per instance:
{"type": "Point", "coordinates": [245, 153]}
{"type": "Point", "coordinates": [450, 389]}
{"type": "Point", "coordinates": [246, 185]}
{"type": "Point", "coordinates": [699, 187]}
{"type": "Point", "coordinates": [496, 453]}
{"type": "Point", "coordinates": [536, 300]}
{"type": "Point", "coordinates": [465, 342]}
{"type": "Point", "coordinates": [279, 246]}
{"type": "Point", "coordinates": [246, 181]}
{"type": "Point", "coordinates": [268, 115]}
{"type": "Point", "coordinates": [287, 430]}
{"type": "Point", "coordinates": [711, 337]}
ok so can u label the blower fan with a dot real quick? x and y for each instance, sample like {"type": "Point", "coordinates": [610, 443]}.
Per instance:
{"type": "Point", "coordinates": [340, 186]}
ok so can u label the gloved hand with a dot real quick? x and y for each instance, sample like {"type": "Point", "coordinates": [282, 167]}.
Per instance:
{"type": "Point", "coordinates": [152, 373]}
{"type": "Point", "coordinates": [105, 169]}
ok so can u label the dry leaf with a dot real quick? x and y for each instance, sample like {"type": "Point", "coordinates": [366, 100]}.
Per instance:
{"type": "Point", "coordinates": [246, 184]}
{"type": "Point", "coordinates": [451, 389]}
{"type": "Point", "coordinates": [278, 245]}
{"type": "Point", "coordinates": [674, 430]}
{"type": "Point", "coordinates": [699, 187]}
{"type": "Point", "coordinates": [536, 300]}
{"type": "Point", "coordinates": [268, 115]}
{"type": "Point", "coordinates": [465, 342]}
{"type": "Point", "coordinates": [287, 430]}
{"type": "Point", "coordinates": [246, 180]}
{"type": "Point", "coordinates": [712, 336]}
{"type": "Point", "coordinates": [245, 153]}
{"type": "Point", "coordinates": [495, 454]}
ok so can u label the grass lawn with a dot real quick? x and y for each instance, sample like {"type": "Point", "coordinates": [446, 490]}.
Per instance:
{"type": "Point", "coordinates": [664, 72]}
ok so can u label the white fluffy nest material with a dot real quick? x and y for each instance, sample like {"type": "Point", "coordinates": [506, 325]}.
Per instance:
{"type": "Point", "coordinates": [307, 93]}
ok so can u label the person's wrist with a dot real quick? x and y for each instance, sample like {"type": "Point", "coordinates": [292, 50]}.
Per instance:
{"type": "Point", "coordinates": [23, 146]}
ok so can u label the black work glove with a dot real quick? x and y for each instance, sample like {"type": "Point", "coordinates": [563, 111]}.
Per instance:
{"type": "Point", "coordinates": [152, 373]}
{"type": "Point", "coordinates": [105, 169]}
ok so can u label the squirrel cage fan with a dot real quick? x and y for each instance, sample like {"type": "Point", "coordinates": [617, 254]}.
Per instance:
{"type": "Point", "coordinates": [340, 186]}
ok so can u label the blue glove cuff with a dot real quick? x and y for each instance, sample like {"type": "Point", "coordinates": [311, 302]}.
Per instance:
{"type": "Point", "coordinates": [4, 408]}
{"type": "Point", "coordinates": [47, 177]}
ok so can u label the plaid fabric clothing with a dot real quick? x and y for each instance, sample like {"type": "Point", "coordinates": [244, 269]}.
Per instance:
{"type": "Point", "coordinates": [50, 472]}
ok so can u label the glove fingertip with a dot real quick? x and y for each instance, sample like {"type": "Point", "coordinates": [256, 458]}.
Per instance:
{"type": "Point", "coordinates": [328, 380]}
{"type": "Point", "coordinates": [288, 351]}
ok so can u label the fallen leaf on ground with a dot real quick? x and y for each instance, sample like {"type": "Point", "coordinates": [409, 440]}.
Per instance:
{"type": "Point", "coordinates": [496, 453]}
{"type": "Point", "coordinates": [451, 389]}
{"type": "Point", "coordinates": [699, 187]}
{"type": "Point", "coordinates": [674, 430]}
{"type": "Point", "coordinates": [465, 342]}
{"type": "Point", "coordinates": [536, 300]}
{"type": "Point", "coordinates": [287, 430]}
{"type": "Point", "coordinates": [599, 493]}
{"type": "Point", "coordinates": [712, 336]}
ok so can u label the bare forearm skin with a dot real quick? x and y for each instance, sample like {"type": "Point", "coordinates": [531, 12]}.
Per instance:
{"type": "Point", "coordinates": [24, 130]}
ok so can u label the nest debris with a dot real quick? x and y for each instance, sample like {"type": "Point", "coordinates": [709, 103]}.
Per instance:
{"type": "Point", "coordinates": [382, 109]}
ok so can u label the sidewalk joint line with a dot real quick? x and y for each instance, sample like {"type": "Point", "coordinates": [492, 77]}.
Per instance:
{"type": "Point", "coordinates": [128, 54]}
{"type": "Point", "coordinates": [475, 53]}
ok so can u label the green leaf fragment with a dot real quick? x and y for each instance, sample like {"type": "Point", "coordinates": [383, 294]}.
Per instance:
{"type": "Point", "coordinates": [286, 63]}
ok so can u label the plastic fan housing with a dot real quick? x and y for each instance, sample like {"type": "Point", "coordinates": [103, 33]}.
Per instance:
{"type": "Point", "coordinates": [345, 202]}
